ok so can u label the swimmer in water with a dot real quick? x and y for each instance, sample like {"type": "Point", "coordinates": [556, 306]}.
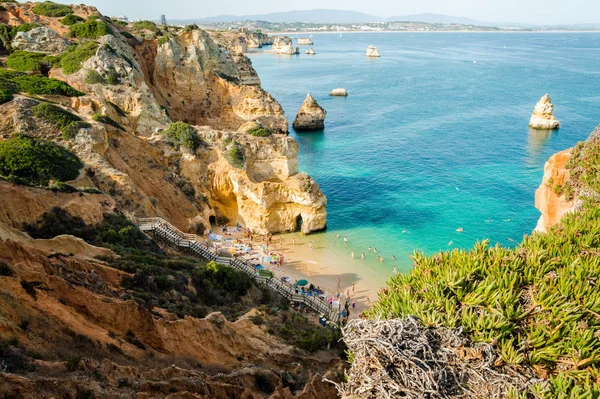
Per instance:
{"type": "Point", "coordinates": [362, 256]}
{"type": "Point", "coordinates": [450, 243]}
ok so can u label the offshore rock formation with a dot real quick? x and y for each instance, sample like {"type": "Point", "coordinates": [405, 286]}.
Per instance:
{"type": "Point", "coordinates": [305, 41]}
{"type": "Point", "coordinates": [551, 204]}
{"type": "Point", "coordinates": [543, 115]}
{"type": "Point", "coordinates": [372, 52]}
{"type": "Point", "coordinates": [310, 52]}
{"type": "Point", "coordinates": [283, 45]}
{"type": "Point", "coordinates": [311, 115]}
{"type": "Point", "coordinates": [340, 92]}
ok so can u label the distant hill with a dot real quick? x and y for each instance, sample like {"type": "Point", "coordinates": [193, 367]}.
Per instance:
{"type": "Point", "coordinates": [439, 19]}
{"type": "Point", "coordinates": [309, 16]}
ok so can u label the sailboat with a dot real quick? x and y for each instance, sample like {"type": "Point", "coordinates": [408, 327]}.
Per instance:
{"type": "Point", "coordinates": [340, 35]}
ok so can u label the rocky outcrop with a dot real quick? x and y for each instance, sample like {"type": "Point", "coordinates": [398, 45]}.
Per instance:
{"type": "Point", "coordinates": [548, 200]}
{"type": "Point", "coordinates": [200, 83]}
{"type": "Point", "coordinates": [305, 41]}
{"type": "Point", "coordinates": [338, 92]}
{"type": "Point", "coordinates": [41, 40]}
{"type": "Point", "coordinates": [311, 51]}
{"type": "Point", "coordinates": [543, 115]}
{"type": "Point", "coordinates": [372, 52]}
{"type": "Point", "coordinates": [283, 45]}
{"type": "Point", "coordinates": [311, 115]}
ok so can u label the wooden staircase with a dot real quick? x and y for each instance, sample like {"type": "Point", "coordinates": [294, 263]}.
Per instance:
{"type": "Point", "coordinates": [204, 249]}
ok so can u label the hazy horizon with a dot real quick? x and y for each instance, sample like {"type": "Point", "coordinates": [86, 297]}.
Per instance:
{"type": "Point", "coordinates": [536, 12]}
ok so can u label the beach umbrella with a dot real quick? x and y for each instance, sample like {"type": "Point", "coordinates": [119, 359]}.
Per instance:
{"type": "Point", "coordinates": [301, 283]}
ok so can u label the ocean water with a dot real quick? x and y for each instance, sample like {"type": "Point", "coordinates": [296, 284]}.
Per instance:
{"type": "Point", "coordinates": [433, 135]}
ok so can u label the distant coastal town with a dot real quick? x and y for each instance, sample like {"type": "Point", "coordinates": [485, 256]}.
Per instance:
{"type": "Point", "coordinates": [396, 26]}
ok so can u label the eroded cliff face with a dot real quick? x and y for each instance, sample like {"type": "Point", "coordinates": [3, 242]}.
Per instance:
{"type": "Point", "coordinates": [548, 199]}
{"type": "Point", "coordinates": [187, 77]}
{"type": "Point", "coordinates": [76, 311]}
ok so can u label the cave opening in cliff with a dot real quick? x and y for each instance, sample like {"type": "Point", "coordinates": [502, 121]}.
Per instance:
{"type": "Point", "coordinates": [212, 220]}
{"type": "Point", "coordinates": [299, 223]}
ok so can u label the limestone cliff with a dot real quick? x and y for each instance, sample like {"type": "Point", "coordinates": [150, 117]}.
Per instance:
{"type": "Point", "coordinates": [72, 311]}
{"type": "Point", "coordinates": [184, 76]}
{"type": "Point", "coordinates": [566, 182]}
{"type": "Point", "coordinates": [548, 199]}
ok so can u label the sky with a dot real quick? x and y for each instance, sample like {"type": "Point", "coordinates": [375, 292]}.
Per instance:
{"type": "Point", "coordinates": [539, 12]}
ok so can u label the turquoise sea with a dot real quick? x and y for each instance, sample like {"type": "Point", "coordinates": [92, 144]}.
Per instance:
{"type": "Point", "coordinates": [433, 135]}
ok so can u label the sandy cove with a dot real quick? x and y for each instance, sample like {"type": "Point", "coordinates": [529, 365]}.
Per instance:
{"type": "Point", "coordinates": [322, 266]}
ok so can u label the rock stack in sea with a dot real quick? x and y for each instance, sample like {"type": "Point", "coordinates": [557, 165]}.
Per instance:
{"type": "Point", "coordinates": [311, 51]}
{"type": "Point", "coordinates": [305, 41]}
{"type": "Point", "coordinates": [543, 115]}
{"type": "Point", "coordinates": [372, 52]}
{"type": "Point", "coordinates": [340, 92]}
{"type": "Point", "coordinates": [311, 115]}
{"type": "Point", "coordinates": [283, 45]}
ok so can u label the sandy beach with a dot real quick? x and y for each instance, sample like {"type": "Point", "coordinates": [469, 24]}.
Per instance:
{"type": "Point", "coordinates": [324, 265]}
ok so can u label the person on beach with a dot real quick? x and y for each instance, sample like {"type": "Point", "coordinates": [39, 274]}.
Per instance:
{"type": "Point", "coordinates": [347, 294]}
{"type": "Point", "coordinates": [338, 283]}
{"type": "Point", "coordinates": [352, 288]}
{"type": "Point", "coordinates": [362, 256]}
{"type": "Point", "coordinates": [310, 245]}
{"type": "Point", "coordinates": [345, 240]}
{"type": "Point", "coordinates": [368, 300]}
{"type": "Point", "coordinates": [353, 304]}
{"type": "Point", "coordinates": [395, 270]}
{"type": "Point", "coordinates": [352, 255]}
{"type": "Point", "coordinates": [337, 295]}
{"type": "Point", "coordinates": [293, 242]}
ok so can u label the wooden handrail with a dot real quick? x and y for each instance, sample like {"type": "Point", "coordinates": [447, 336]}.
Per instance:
{"type": "Point", "coordinates": [315, 303]}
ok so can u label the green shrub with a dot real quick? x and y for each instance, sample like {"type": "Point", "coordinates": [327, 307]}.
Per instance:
{"type": "Point", "coordinates": [51, 9]}
{"type": "Point", "coordinates": [112, 76]}
{"type": "Point", "coordinates": [107, 120]}
{"type": "Point", "coordinates": [94, 78]}
{"type": "Point", "coordinates": [69, 132]}
{"type": "Point", "coordinates": [259, 131]}
{"type": "Point", "coordinates": [71, 61]}
{"type": "Point", "coordinates": [12, 82]}
{"type": "Point", "coordinates": [119, 23]}
{"type": "Point", "coordinates": [37, 161]}
{"type": "Point", "coordinates": [71, 19]}
{"type": "Point", "coordinates": [8, 33]}
{"type": "Point", "coordinates": [182, 134]}
{"type": "Point", "coordinates": [189, 28]}
{"type": "Point", "coordinates": [54, 115]}
{"type": "Point", "coordinates": [89, 190]}
{"type": "Point", "coordinates": [91, 29]}
{"type": "Point", "coordinates": [25, 61]}
{"type": "Point", "coordinates": [235, 155]}
{"type": "Point", "coordinates": [149, 25]}
{"type": "Point", "coordinates": [62, 187]}
{"type": "Point", "coordinates": [165, 39]}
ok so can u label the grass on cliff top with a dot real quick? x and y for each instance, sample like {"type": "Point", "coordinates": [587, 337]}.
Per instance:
{"type": "Point", "coordinates": [36, 162]}
{"type": "Point", "coordinates": [12, 82]}
{"type": "Point", "coordinates": [538, 304]}
{"type": "Point", "coordinates": [149, 25]}
{"type": "Point", "coordinates": [51, 9]}
{"type": "Point", "coordinates": [180, 134]}
{"type": "Point", "coordinates": [91, 29]}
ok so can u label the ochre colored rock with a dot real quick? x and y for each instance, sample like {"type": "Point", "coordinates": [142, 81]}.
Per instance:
{"type": "Point", "coordinates": [311, 115]}
{"type": "Point", "coordinates": [553, 206]}
{"type": "Point", "coordinates": [543, 115]}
